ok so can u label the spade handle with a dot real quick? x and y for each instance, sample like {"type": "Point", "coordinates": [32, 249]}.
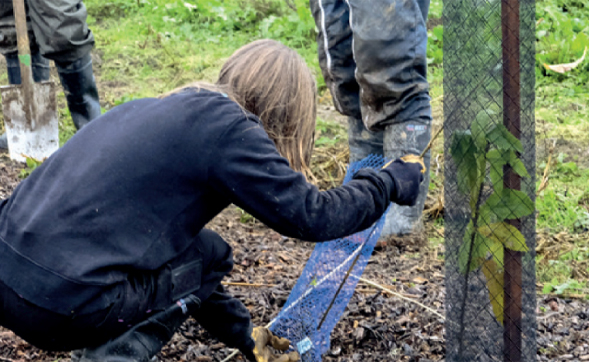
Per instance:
{"type": "Point", "coordinates": [24, 52]}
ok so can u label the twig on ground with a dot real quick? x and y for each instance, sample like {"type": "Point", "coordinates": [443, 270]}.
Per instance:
{"type": "Point", "coordinates": [546, 175]}
{"type": "Point", "coordinates": [233, 354]}
{"type": "Point", "coordinates": [548, 315]}
{"type": "Point", "coordinates": [235, 284]}
{"type": "Point", "coordinates": [371, 283]}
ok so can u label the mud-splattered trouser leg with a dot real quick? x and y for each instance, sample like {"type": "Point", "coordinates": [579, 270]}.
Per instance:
{"type": "Point", "coordinates": [373, 58]}
{"type": "Point", "coordinates": [334, 46]}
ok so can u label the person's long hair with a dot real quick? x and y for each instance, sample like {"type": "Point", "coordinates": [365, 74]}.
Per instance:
{"type": "Point", "coordinates": [273, 82]}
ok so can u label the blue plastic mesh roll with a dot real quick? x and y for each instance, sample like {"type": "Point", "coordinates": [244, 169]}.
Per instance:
{"type": "Point", "coordinates": [326, 269]}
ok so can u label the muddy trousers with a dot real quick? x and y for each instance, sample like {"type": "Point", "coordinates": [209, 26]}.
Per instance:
{"type": "Point", "coordinates": [373, 59]}
{"type": "Point", "coordinates": [148, 308]}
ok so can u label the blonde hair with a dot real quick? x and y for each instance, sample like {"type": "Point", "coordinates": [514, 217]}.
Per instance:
{"type": "Point", "coordinates": [273, 82]}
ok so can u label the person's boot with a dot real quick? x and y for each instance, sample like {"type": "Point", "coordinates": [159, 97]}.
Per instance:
{"type": "Point", "coordinates": [79, 86]}
{"type": "Point", "coordinates": [41, 72]}
{"type": "Point", "coordinates": [399, 140]}
{"type": "Point", "coordinates": [143, 341]}
{"type": "Point", "coordinates": [362, 141]}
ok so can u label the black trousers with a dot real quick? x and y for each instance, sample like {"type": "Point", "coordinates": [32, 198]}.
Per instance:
{"type": "Point", "coordinates": [199, 271]}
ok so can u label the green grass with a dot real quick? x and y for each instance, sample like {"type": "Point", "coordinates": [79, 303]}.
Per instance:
{"type": "Point", "coordinates": [151, 46]}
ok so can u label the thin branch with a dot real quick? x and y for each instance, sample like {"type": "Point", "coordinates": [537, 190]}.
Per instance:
{"type": "Point", "coordinates": [235, 284]}
{"type": "Point", "coordinates": [546, 175]}
{"type": "Point", "coordinates": [378, 286]}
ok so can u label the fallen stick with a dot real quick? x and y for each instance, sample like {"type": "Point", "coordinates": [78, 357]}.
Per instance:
{"type": "Point", "coordinates": [546, 175]}
{"type": "Point", "coordinates": [235, 284]}
{"type": "Point", "coordinates": [378, 286]}
{"type": "Point", "coordinates": [371, 291]}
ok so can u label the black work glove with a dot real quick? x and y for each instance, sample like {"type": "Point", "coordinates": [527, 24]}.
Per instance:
{"type": "Point", "coordinates": [407, 174]}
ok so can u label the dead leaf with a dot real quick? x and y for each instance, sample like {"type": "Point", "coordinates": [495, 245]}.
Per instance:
{"type": "Point", "coordinates": [495, 286]}
{"type": "Point", "coordinates": [563, 68]}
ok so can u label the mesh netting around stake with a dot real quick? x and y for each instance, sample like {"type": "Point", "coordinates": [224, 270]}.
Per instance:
{"type": "Point", "coordinates": [300, 318]}
{"type": "Point", "coordinates": [489, 184]}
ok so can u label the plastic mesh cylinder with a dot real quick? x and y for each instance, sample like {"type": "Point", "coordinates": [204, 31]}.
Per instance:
{"type": "Point", "coordinates": [317, 303]}
{"type": "Point", "coordinates": [489, 142]}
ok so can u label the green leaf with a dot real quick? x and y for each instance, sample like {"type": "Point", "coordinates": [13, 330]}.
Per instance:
{"type": "Point", "coordinates": [31, 163]}
{"type": "Point", "coordinates": [499, 158]}
{"type": "Point", "coordinates": [506, 234]}
{"type": "Point", "coordinates": [518, 165]}
{"type": "Point", "coordinates": [480, 127]}
{"type": "Point", "coordinates": [496, 160]}
{"type": "Point", "coordinates": [481, 165]}
{"type": "Point", "coordinates": [503, 139]}
{"type": "Point", "coordinates": [463, 153]}
{"type": "Point", "coordinates": [547, 289]}
{"type": "Point", "coordinates": [480, 248]}
{"type": "Point", "coordinates": [509, 204]}
{"type": "Point", "coordinates": [559, 289]}
{"type": "Point", "coordinates": [494, 276]}
{"type": "Point", "coordinates": [497, 251]}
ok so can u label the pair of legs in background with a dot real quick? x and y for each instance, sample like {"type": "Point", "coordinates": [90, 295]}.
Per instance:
{"type": "Point", "coordinates": [58, 32]}
{"type": "Point", "coordinates": [146, 311]}
{"type": "Point", "coordinates": [373, 59]}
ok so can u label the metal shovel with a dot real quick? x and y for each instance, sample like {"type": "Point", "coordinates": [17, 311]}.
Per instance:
{"type": "Point", "coordinates": [30, 109]}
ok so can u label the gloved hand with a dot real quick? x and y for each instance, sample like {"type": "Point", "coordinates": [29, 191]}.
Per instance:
{"type": "Point", "coordinates": [261, 353]}
{"type": "Point", "coordinates": [407, 174]}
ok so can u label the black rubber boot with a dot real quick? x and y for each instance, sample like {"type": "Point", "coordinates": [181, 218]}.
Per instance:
{"type": "Point", "coordinates": [40, 68]}
{"type": "Point", "coordinates": [142, 342]}
{"type": "Point", "coordinates": [79, 86]}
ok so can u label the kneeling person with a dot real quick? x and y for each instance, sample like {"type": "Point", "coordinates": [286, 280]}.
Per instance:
{"type": "Point", "coordinates": [103, 247]}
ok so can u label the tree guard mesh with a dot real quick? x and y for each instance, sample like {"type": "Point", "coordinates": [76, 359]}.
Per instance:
{"type": "Point", "coordinates": [489, 186]}
{"type": "Point", "coordinates": [325, 287]}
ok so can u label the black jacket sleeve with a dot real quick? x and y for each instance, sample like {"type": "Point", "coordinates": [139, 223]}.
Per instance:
{"type": "Point", "coordinates": [255, 177]}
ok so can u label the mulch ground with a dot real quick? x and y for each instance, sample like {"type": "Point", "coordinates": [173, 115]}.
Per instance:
{"type": "Point", "coordinates": [376, 326]}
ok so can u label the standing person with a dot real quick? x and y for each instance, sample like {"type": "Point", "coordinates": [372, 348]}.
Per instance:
{"type": "Point", "coordinates": [373, 58]}
{"type": "Point", "coordinates": [103, 248]}
{"type": "Point", "coordinates": [57, 31]}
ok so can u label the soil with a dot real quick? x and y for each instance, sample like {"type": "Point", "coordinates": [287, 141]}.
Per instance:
{"type": "Point", "coordinates": [376, 326]}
